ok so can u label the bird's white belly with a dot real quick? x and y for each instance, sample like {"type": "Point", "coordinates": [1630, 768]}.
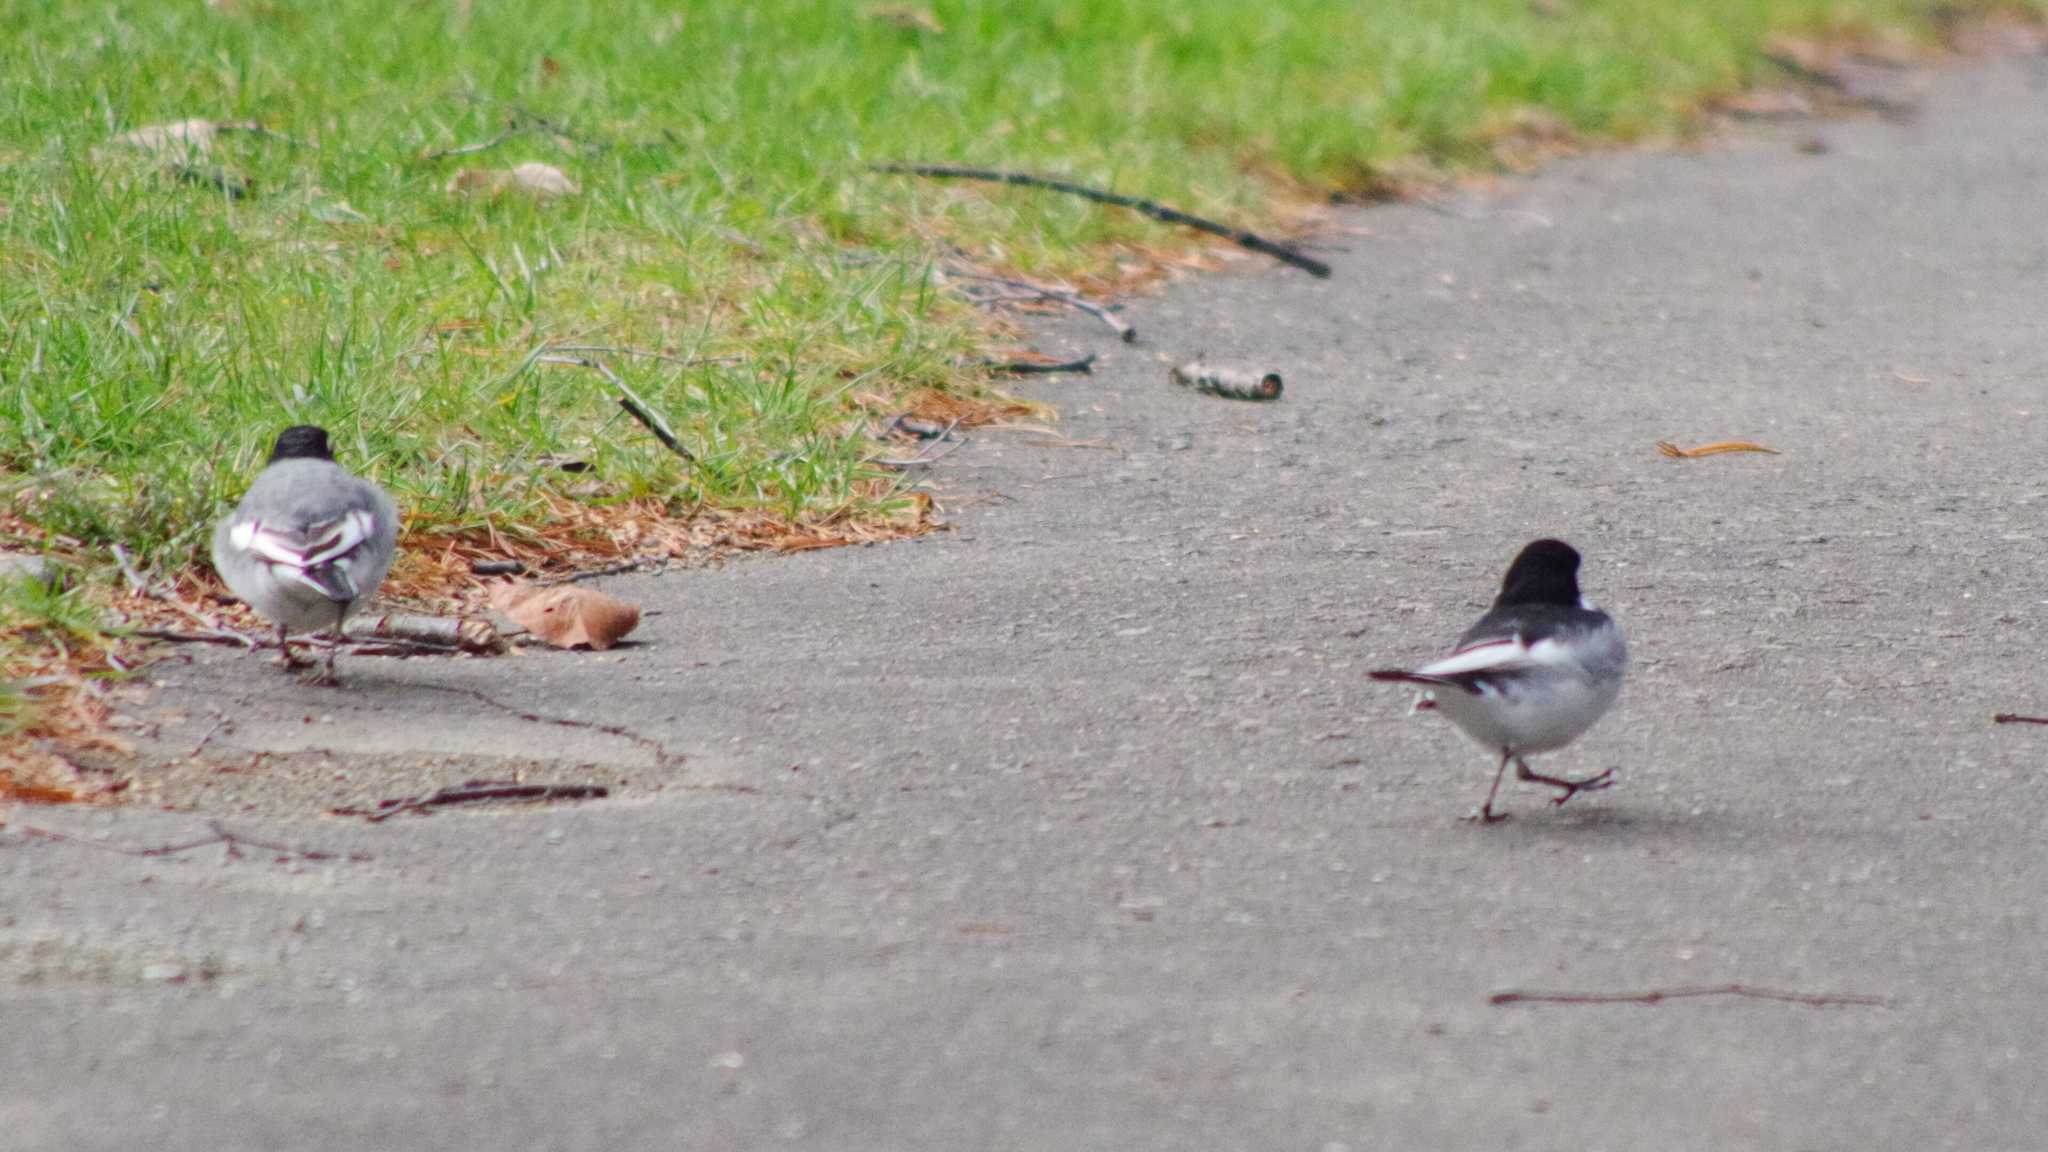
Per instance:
{"type": "Point", "coordinates": [1537, 716]}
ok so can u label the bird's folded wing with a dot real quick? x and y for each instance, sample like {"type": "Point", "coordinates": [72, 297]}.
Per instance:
{"type": "Point", "coordinates": [322, 544]}
{"type": "Point", "coordinates": [318, 558]}
{"type": "Point", "coordinates": [1475, 666]}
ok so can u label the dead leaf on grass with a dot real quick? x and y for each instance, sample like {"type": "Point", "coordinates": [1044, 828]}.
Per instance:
{"type": "Point", "coordinates": [567, 615]}
{"type": "Point", "coordinates": [544, 181]}
{"type": "Point", "coordinates": [906, 16]}
{"type": "Point", "coordinates": [190, 137]}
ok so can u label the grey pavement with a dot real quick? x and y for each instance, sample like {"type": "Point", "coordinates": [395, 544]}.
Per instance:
{"type": "Point", "coordinates": [1079, 827]}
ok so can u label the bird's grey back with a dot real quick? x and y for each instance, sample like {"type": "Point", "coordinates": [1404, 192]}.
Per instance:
{"type": "Point", "coordinates": [297, 494]}
{"type": "Point", "coordinates": [1569, 622]}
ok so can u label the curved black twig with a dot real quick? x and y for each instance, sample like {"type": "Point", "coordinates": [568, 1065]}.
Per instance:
{"type": "Point", "coordinates": [1153, 208]}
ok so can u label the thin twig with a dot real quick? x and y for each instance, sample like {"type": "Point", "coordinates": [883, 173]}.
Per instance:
{"type": "Point", "coordinates": [136, 583]}
{"type": "Point", "coordinates": [1152, 208]}
{"type": "Point", "coordinates": [218, 835]}
{"type": "Point", "coordinates": [475, 791]}
{"type": "Point", "coordinates": [595, 573]}
{"type": "Point", "coordinates": [661, 753]}
{"type": "Point", "coordinates": [1075, 300]}
{"type": "Point", "coordinates": [369, 646]}
{"type": "Point", "coordinates": [220, 721]}
{"type": "Point", "coordinates": [1085, 364]}
{"type": "Point", "coordinates": [142, 587]}
{"type": "Point", "coordinates": [631, 402]}
{"type": "Point", "coordinates": [2016, 718]}
{"type": "Point", "coordinates": [1659, 995]}
{"type": "Point", "coordinates": [510, 131]}
{"type": "Point", "coordinates": [648, 354]}
{"type": "Point", "coordinates": [210, 636]}
{"type": "Point", "coordinates": [925, 455]}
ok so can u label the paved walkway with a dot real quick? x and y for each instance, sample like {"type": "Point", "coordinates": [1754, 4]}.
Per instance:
{"type": "Point", "coordinates": [1080, 828]}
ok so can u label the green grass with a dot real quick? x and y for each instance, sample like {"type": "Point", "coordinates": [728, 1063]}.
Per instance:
{"type": "Point", "coordinates": [155, 333]}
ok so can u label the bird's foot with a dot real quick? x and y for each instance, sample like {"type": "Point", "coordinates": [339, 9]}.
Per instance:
{"type": "Point", "coordinates": [1571, 788]}
{"type": "Point", "coordinates": [1485, 815]}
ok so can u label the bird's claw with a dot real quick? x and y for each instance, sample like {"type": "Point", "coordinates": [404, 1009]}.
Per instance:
{"type": "Point", "coordinates": [1600, 783]}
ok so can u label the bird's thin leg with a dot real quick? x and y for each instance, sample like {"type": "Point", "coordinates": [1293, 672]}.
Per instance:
{"type": "Point", "coordinates": [284, 648]}
{"type": "Point", "coordinates": [1566, 788]}
{"type": "Point", "coordinates": [334, 644]}
{"type": "Point", "coordinates": [1486, 814]}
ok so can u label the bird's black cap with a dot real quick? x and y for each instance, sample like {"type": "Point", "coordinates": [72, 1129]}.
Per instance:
{"type": "Point", "coordinates": [301, 442]}
{"type": "Point", "coordinates": [1545, 572]}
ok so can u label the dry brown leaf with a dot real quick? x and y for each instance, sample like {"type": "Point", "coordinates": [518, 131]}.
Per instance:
{"type": "Point", "coordinates": [192, 137]}
{"type": "Point", "coordinates": [1714, 449]}
{"type": "Point", "coordinates": [186, 138]}
{"type": "Point", "coordinates": [534, 178]}
{"type": "Point", "coordinates": [567, 615]}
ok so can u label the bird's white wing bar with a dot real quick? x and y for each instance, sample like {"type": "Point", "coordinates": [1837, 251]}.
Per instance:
{"type": "Point", "coordinates": [1508, 654]}
{"type": "Point", "coordinates": [326, 544]}
{"type": "Point", "coordinates": [1504, 655]}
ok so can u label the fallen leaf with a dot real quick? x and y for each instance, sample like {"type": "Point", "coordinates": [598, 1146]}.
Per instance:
{"type": "Point", "coordinates": [1714, 449]}
{"type": "Point", "coordinates": [906, 16]}
{"type": "Point", "coordinates": [567, 615]}
{"type": "Point", "coordinates": [191, 137]}
{"type": "Point", "coordinates": [534, 178]}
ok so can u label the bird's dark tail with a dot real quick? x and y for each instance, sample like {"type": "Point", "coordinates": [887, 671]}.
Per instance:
{"type": "Point", "coordinates": [1400, 676]}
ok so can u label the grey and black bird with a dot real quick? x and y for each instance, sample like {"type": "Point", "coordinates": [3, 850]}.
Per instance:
{"type": "Point", "coordinates": [1534, 673]}
{"type": "Point", "coordinates": [309, 543]}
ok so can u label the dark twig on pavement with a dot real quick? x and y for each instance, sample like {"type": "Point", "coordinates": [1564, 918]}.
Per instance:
{"type": "Point", "coordinates": [363, 644]}
{"type": "Point", "coordinates": [1085, 364]}
{"type": "Point", "coordinates": [1659, 995]}
{"type": "Point", "coordinates": [628, 400]}
{"type": "Point", "coordinates": [925, 455]}
{"type": "Point", "coordinates": [2016, 718]}
{"type": "Point", "coordinates": [477, 791]}
{"type": "Point", "coordinates": [1152, 208]}
{"type": "Point", "coordinates": [596, 573]}
{"type": "Point", "coordinates": [217, 835]}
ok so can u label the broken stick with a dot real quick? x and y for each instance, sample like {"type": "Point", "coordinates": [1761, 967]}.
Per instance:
{"type": "Point", "coordinates": [628, 400]}
{"type": "Point", "coordinates": [1152, 208]}
{"type": "Point", "coordinates": [477, 791]}
{"type": "Point", "coordinates": [1659, 995]}
{"type": "Point", "coordinates": [1230, 383]}
{"type": "Point", "coordinates": [1085, 365]}
{"type": "Point", "coordinates": [459, 633]}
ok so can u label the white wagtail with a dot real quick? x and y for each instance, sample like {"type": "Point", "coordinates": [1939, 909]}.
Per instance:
{"type": "Point", "coordinates": [1537, 670]}
{"type": "Point", "coordinates": [309, 542]}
